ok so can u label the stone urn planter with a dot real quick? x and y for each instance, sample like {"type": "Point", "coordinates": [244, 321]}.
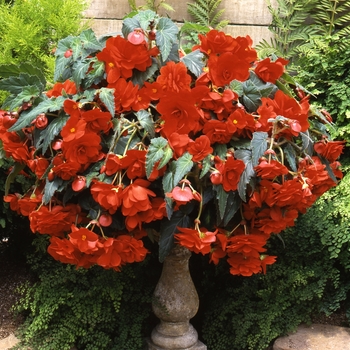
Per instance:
{"type": "Point", "coordinates": [175, 302]}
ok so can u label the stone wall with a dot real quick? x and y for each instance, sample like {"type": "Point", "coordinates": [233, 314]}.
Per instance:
{"type": "Point", "coordinates": [250, 17]}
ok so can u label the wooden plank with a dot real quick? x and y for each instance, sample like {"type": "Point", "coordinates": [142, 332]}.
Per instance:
{"type": "Point", "coordinates": [257, 33]}
{"type": "Point", "coordinates": [253, 12]}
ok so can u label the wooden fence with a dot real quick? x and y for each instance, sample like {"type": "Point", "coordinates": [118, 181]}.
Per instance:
{"type": "Point", "coordinates": [246, 17]}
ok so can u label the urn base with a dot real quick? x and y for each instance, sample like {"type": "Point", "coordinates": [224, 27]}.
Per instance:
{"type": "Point", "coordinates": [198, 346]}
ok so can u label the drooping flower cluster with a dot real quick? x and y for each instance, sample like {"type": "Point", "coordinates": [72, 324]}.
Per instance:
{"type": "Point", "coordinates": [137, 137]}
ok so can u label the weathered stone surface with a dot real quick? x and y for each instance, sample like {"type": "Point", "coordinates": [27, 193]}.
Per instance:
{"type": "Point", "coordinates": [175, 302]}
{"type": "Point", "coordinates": [315, 337]}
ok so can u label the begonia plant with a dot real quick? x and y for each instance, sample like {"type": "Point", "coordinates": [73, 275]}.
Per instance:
{"type": "Point", "coordinates": [212, 149]}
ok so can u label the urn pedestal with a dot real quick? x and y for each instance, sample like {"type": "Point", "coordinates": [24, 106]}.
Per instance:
{"type": "Point", "coordinates": [175, 302]}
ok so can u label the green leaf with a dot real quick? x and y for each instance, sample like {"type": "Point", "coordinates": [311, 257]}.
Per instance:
{"type": "Point", "coordinates": [10, 70]}
{"type": "Point", "coordinates": [138, 77]}
{"type": "Point", "coordinates": [50, 188]}
{"type": "Point", "coordinates": [168, 178]}
{"type": "Point", "coordinates": [28, 93]}
{"type": "Point", "coordinates": [190, 27]}
{"type": "Point", "coordinates": [233, 204]}
{"type": "Point", "coordinates": [183, 166]}
{"type": "Point", "coordinates": [146, 121]}
{"type": "Point", "coordinates": [79, 72]}
{"type": "Point", "coordinates": [166, 36]}
{"type": "Point", "coordinates": [145, 17]}
{"type": "Point", "coordinates": [129, 24]}
{"type": "Point", "coordinates": [48, 105]}
{"type": "Point", "coordinates": [221, 150]}
{"type": "Point", "coordinates": [106, 95]}
{"type": "Point", "coordinates": [16, 169]}
{"type": "Point", "coordinates": [308, 145]}
{"type": "Point", "coordinates": [155, 153]}
{"type": "Point", "coordinates": [248, 173]}
{"type": "Point", "coordinates": [237, 87]}
{"type": "Point", "coordinates": [253, 89]}
{"type": "Point", "coordinates": [96, 74]}
{"type": "Point", "coordinates": [328, 168]}
{"type": "Point", "coordinates": [290, 155]}
{"type": "Point", "coordinates": [168, 229]}
{"type": "Point", "coordinates": [221, 196]}
{"type": "Point", "coordinates": [206, 164]}
{"type": "Point", "coordinates": [168, 154]}
{"type": "Point", "coordinates": [50, 132]}
{"type": "Point", "coordinates": [15, 84]}
{"type": "Point", "coordinates": [89, 41]}
{"type": "Point", "coordinates": [259, 146]}
{"type": "Point", "coordinates": [194, 62]}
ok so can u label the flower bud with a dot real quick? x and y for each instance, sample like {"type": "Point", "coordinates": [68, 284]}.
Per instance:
{"type": "Point", "coordinates": [216, 178]}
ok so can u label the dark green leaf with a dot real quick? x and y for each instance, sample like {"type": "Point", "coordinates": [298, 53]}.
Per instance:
{"type": "Point", "coordinates": [166, 36]}
{"type": "Point", "coordinates": [194, 62]}
{"type": "Point", "coordinates": [168, 154]}
{"type": "Point", "coordinates": [290, 155]}
{"type": "Point", "coordinates": [89, 41]}
{"type": "Point", "coordinates": [183, 166]}
{"type": "Point", "coordinates": [146, 121]}
{"type": "Point", "coordinates": [233, 204]}
{"type": "Point", "coordinates": [96, 74]}
{"type": "Point", "coordinates": [48, 105]}
{"type": "Point", "coordinates": [328, 168]}
{"type": "Point", "coordinates": [145, 17]}
{"type": "Point", "coordinates": [221, 196]}
{"type": "Point", "coordinates": [48, 134]}
{"type": "Point", "coordinates": [253, 89]}
{"type": "Point", "coordinates": [155, 153]}
{"type": "Point", "coordinates": [10, 70]}
{"type": "Point", "coordinates": [259, 146]}
{"type": "Point", "coordinates": [129, 24]}
{"type": "Point", "coordinates": [79, 72]}
{"type": "Point", "coordinates": [308, 145]}
{"type": "Point", "coordinates": [16, 84]}
{"type": "Point", "coordinates": [138, 77]}
{"type": "Point", "coordinates": [248, 173]}
{"type": "Point", "coordinates": [26, 95]}
{"type": "Point", "coordinates": [50, 188]}
{"type": "Point", "coordinates": [106, 95]}
{"type": "Point", "coordinates": [206, 164]}
{"type": "Point", "coordinates": [168, 178]}
{"type": "Point", "coordinates": [221, 150]}
{"type": "Point", "coordinates": [237, 87]}
{"type": "Point", "coordinates": [167, 230]}
{"type": "Point", "coordinates": [16, 169]}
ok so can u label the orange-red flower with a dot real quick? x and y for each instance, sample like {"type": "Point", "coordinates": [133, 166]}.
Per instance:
{"type": "Point", "coordinates": [107, 195]}
{"type": "Point", "coordinates": [330, 150]}
{"type": "Point", "coordinates": [197, 242]}
{"type": "Point", "coordinates": [231, 173]}
{"type": "Point", "coordinates": [249, 245]}
{"type": "Point", "coordinates": [271, 169]}
{"type": "Point", "coordinates": [67, 87]}
{"type": "Point", "coordinates": [270, 71]}
{"type": "Point", "coordinates": [55, 221]}
{"type": "Point", "coordinates": [84, 240]}
{"type": "Point", "coordinates": [200, 148]}
{"type": "Point", "coordinates": [84, 150]}
{"type": "Point", "coordinates": [174, 77]}
{"type": "Point", "coordinates": [244, 265]}
{"type": "Point", "coordinates": [62, 250]}
{"type": "Point", "coordinates": [134, 163]}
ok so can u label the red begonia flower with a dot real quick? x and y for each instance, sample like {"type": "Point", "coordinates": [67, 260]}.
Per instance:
{"type": "Point", "coordinates": [84, 240]}
{"type": "Point", "coordinates": [269, 170]}
{"type": "Point", "coordinates": [174, 77]}
{"type": "Point", "coordinates": [243, 265]}
{"type": "Point", "coordinates": [270, 71]}
{"type": "Point", "coordinates": [200, 148]}
{"type": "Point", "coordinates": [68, 87]}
